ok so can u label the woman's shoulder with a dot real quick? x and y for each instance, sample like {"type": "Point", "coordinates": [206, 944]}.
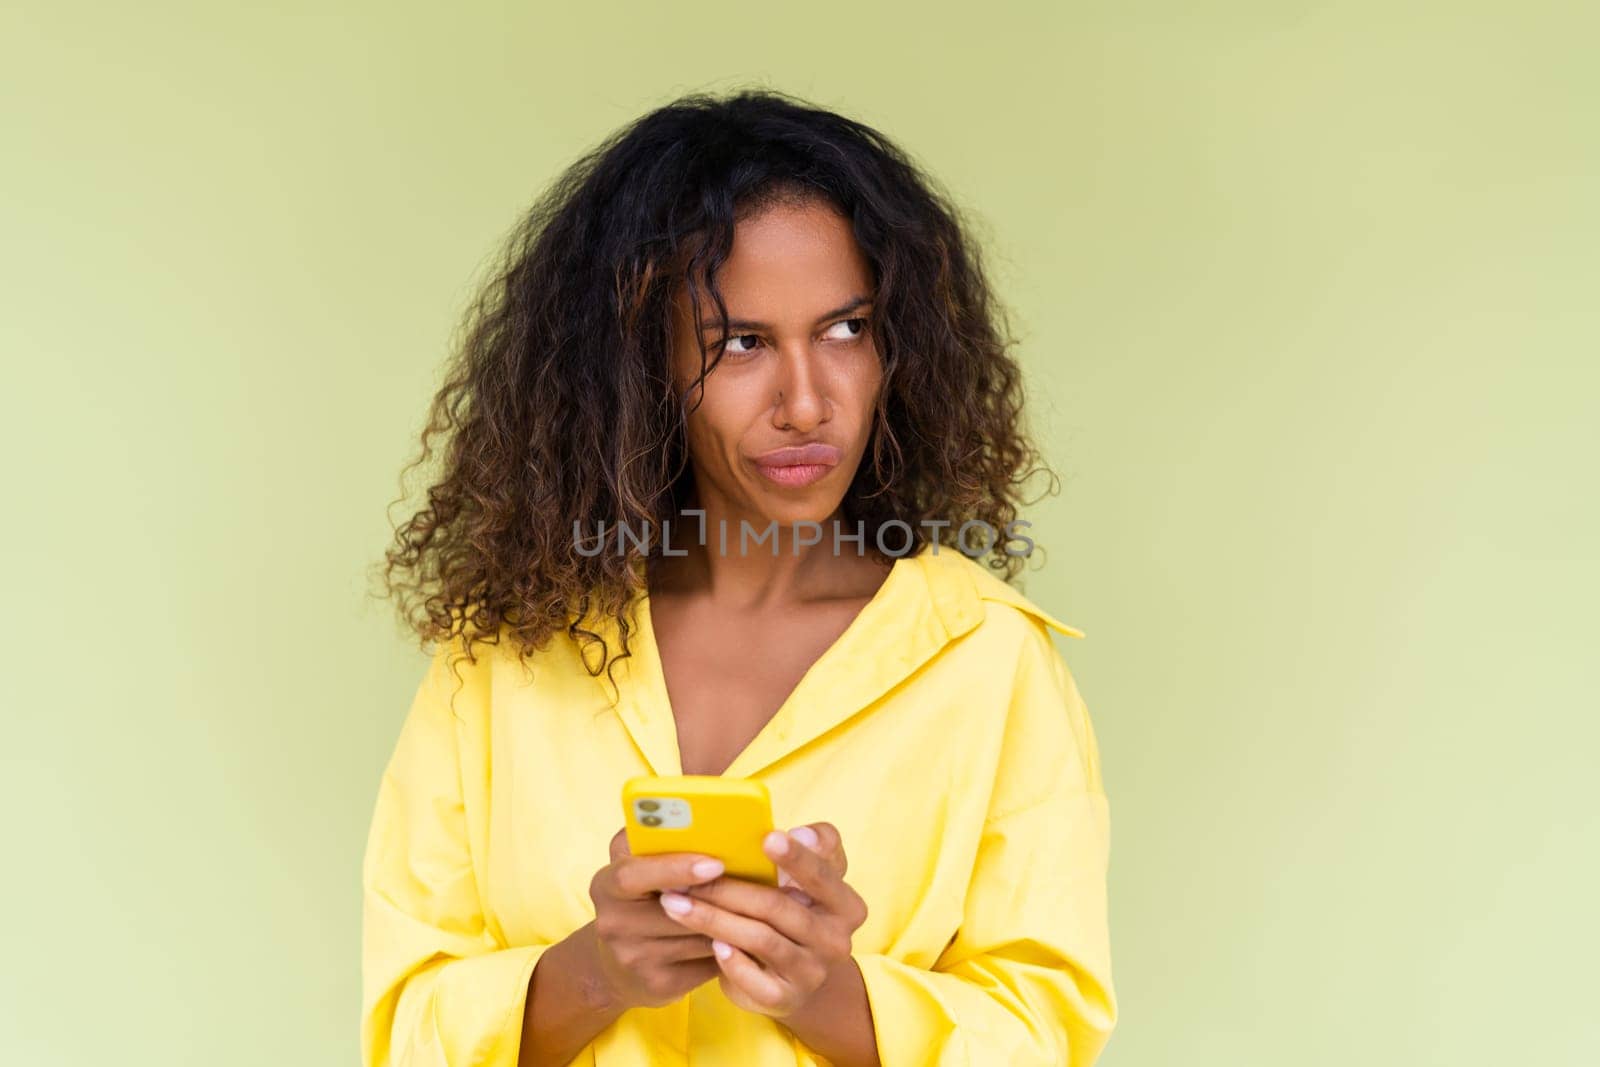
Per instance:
{"type": "Point", "coordinates": [970, 594]}
{"type": "Point", "coordinates": [479, 662]}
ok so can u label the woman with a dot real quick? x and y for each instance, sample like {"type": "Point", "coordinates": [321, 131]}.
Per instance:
{"type": "Point", "coordinates": [724, 432]}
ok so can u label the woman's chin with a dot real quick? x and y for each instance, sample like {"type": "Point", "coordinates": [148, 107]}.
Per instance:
{"type": "Point", "coordinates": [809, 518]}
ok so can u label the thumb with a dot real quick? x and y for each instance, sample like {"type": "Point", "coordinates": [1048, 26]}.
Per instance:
{"type": "Point", "coordinates": [619, 845]}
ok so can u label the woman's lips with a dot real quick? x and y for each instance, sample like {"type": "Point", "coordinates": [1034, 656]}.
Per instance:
{"type": "Point", "coordinates": [795, 475]}
{"type": "Point", "coordinates": [798, 465]}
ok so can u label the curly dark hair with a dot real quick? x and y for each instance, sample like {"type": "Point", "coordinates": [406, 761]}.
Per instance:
{"type": "Point", "coordinates": [559, 407]}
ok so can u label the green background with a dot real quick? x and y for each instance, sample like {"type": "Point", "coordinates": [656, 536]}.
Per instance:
{"type": "Point", "coordinates": [1307, 293]}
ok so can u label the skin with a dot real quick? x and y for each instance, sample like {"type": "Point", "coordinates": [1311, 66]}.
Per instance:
{"type": "Point", "coordinates": [796, 375]}
{"type": "Point", "coordinates": [808, 372]}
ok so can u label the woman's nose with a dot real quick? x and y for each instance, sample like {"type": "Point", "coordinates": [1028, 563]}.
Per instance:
{"type": "Point", "coordinates": [800, 403]}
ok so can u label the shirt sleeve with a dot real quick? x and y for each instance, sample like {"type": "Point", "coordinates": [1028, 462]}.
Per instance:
{"type": "Point", "coordinates": [1026, 981]}
{"type": "Point", "coordinates": [438, 986]}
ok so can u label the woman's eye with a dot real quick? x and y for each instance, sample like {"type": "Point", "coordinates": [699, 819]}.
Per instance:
{"type": "Point", "coordinates": [861, 325]}
{"type": "Point", "coordinates": [730, 343]}
{"type": "Point", "coordinates": [733, 343]}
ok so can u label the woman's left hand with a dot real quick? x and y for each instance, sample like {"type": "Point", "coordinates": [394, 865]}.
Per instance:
{"type": "Point", "coordinates": [782, 944]}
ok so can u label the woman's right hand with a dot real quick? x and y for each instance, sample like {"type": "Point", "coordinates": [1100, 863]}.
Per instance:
{"type": "Point", "coordinates": [647, 959]}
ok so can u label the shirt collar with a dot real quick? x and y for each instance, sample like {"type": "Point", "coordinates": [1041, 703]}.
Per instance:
{"type": "Point", "coordinates": [927, 601]}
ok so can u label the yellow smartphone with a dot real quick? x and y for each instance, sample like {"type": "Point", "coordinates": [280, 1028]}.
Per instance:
{"type": "Point", "coordinates": [722, 817]}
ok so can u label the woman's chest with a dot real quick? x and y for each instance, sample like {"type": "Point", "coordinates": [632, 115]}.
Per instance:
{"type": "Point", "coordinates": [724, 679]}
{"type": "Point", "coordinates": [902, 781]}
{"type": "Point", "coordinates": [719, 704]}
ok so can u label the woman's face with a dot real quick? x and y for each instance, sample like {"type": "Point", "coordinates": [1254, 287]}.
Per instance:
{"type": "Point", "coordinates": [798, 369]}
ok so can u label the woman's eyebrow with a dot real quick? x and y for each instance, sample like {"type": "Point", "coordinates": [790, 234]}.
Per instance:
{"type": "Point", "coordinates": [750, 324]}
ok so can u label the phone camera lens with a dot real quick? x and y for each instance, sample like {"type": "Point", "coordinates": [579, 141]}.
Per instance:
{"type": "Point", "coordinates": [650, 820]}
{"type": "Point", "coordinates": [649, 805]}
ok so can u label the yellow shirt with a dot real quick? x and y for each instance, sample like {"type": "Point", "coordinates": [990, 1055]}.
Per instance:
{"type": "Point", "coordinates": [942, 734]}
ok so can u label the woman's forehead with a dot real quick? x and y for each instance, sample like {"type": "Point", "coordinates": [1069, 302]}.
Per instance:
{"type": "Point", "coordinates": [787, 266]}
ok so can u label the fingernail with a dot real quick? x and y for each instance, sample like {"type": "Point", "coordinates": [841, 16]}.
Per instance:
{"type": "Point", "coordinates": [777, 842]}
{"type": "Point", "coordinates": [720, 948]}
{"type": "Point", "coordinates": [675, 904]}
{"type": "Point", "coordinates": [706, 868]}
{"type": "Point", "coordinates": [805, 835]}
